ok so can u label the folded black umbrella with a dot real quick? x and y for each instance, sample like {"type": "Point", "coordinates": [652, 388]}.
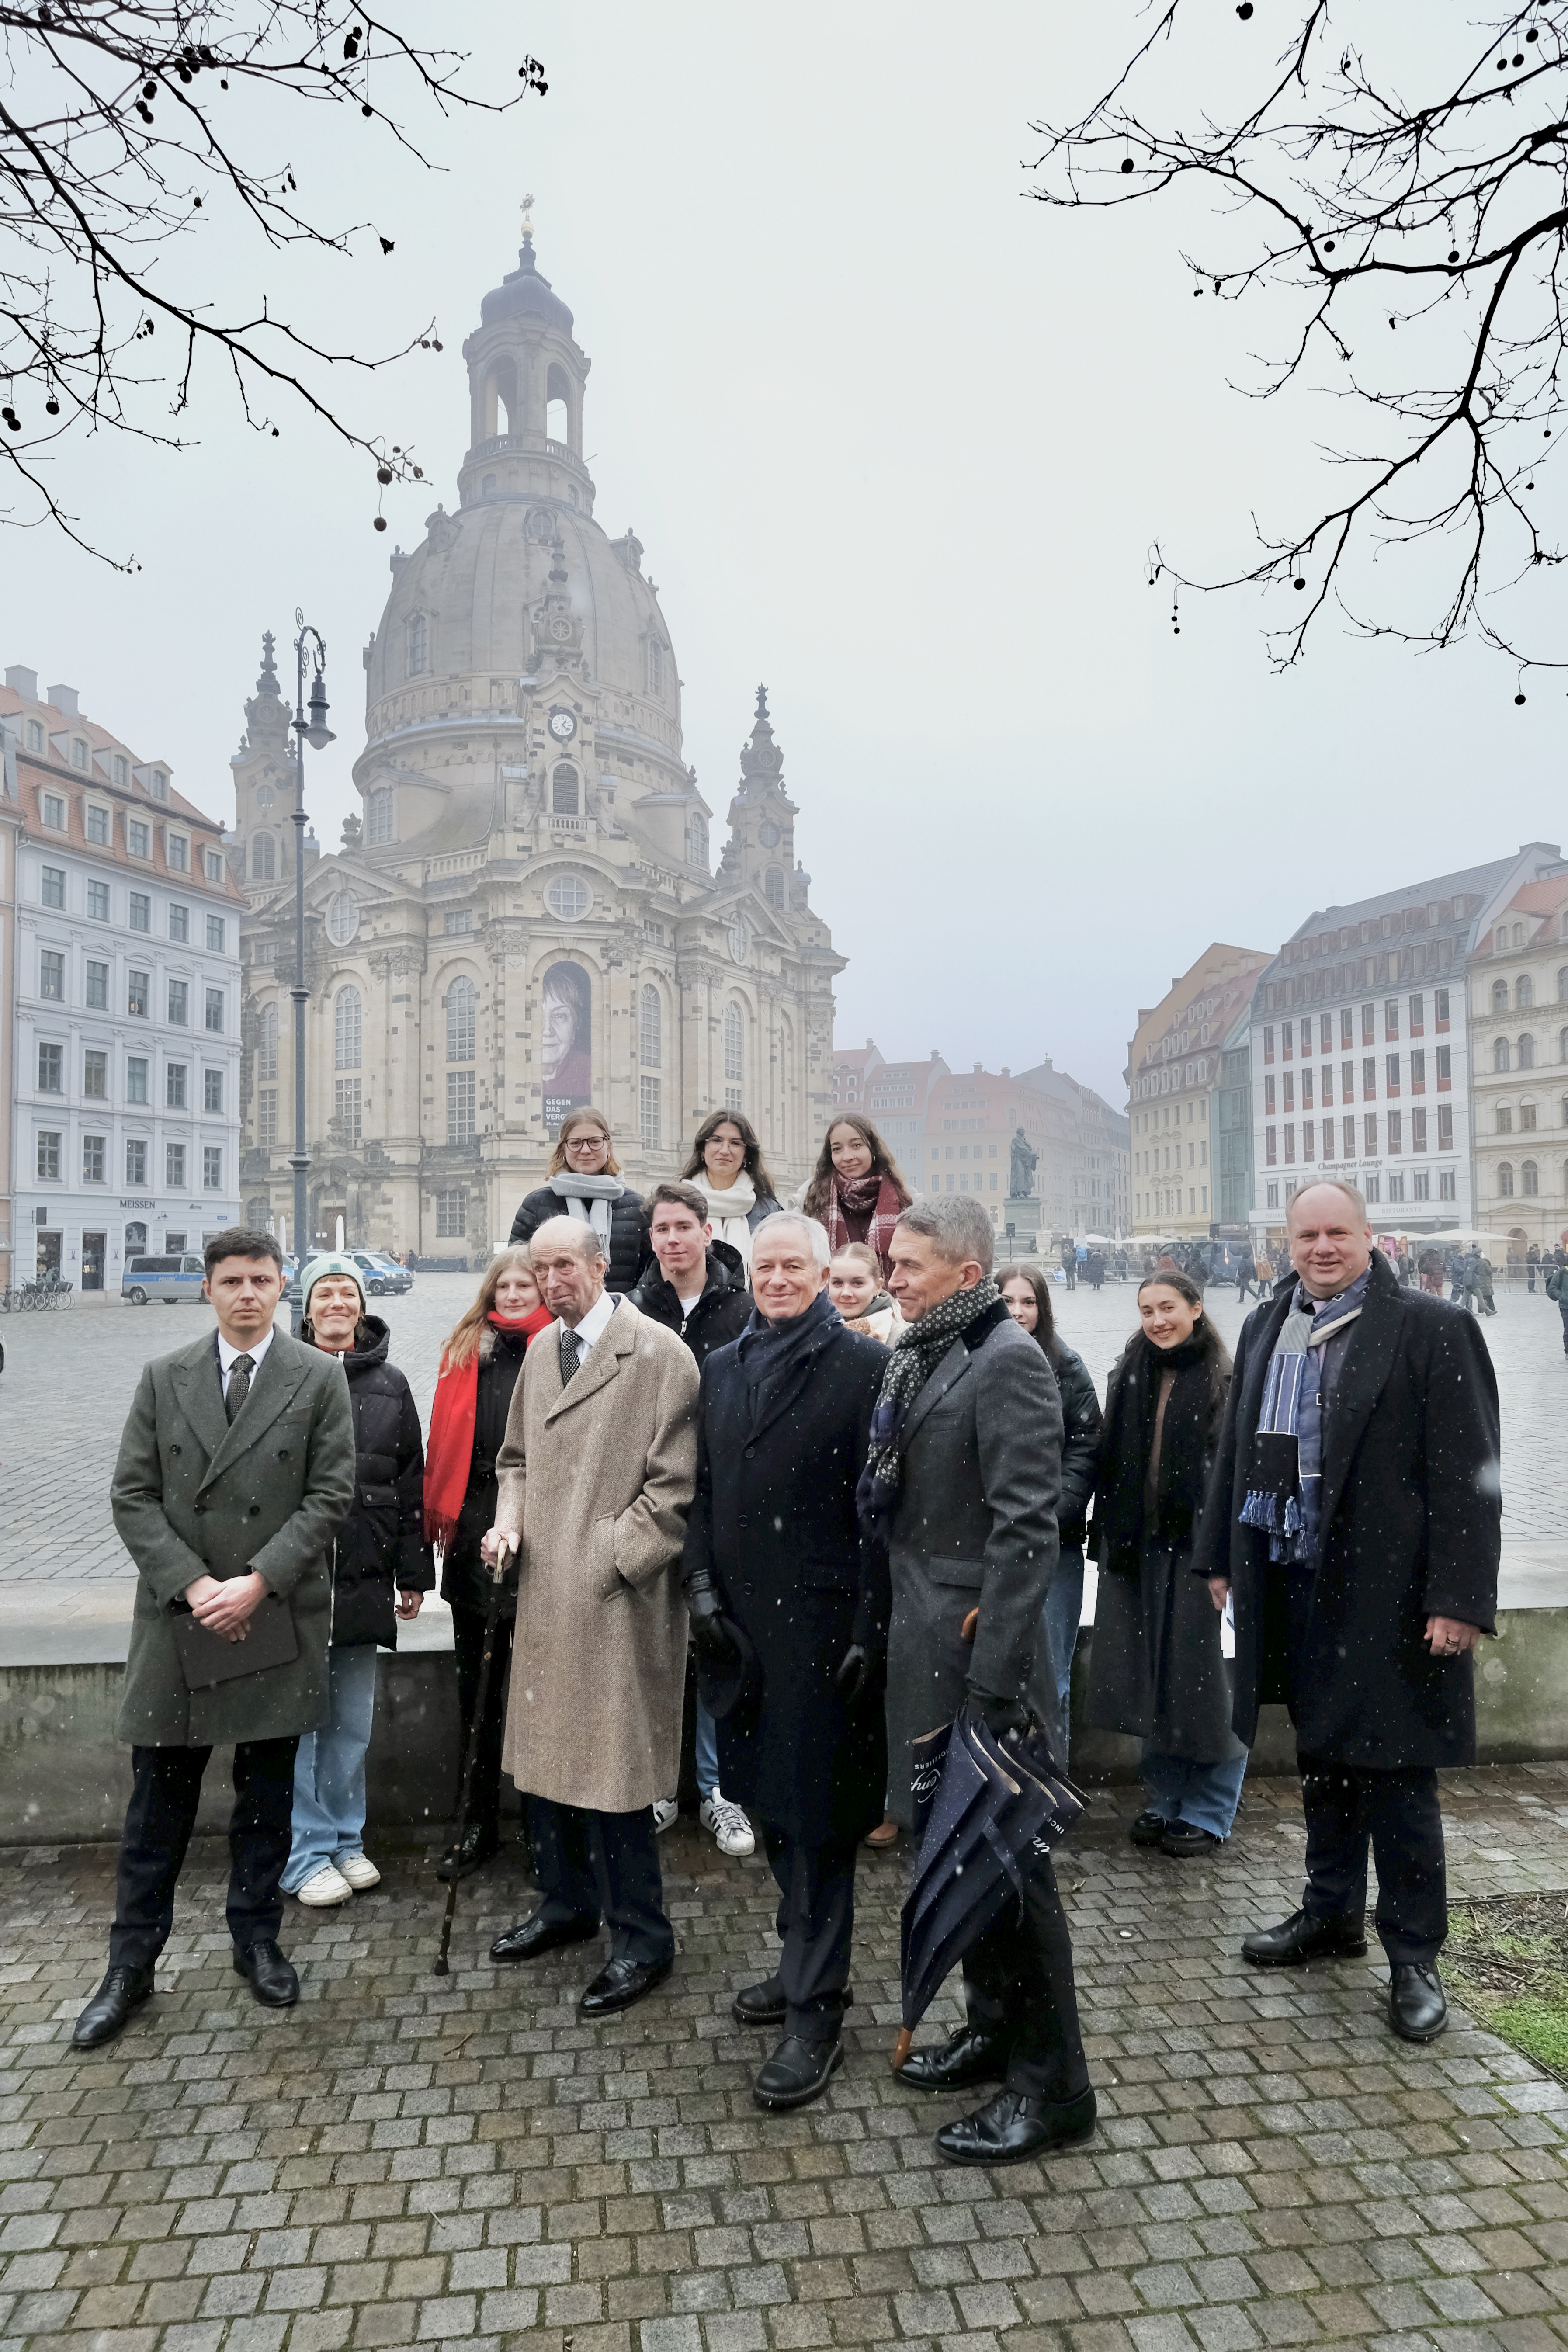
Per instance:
{"type": "Point", "coordinates": [983, 1812]}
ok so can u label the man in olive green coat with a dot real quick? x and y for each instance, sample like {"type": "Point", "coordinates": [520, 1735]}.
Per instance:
{"type": "Point", "coordinates": [236, 1470]}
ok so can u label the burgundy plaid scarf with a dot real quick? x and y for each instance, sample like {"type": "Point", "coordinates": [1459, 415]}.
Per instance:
{"type": "Point", "coordinates": [874, 1193]}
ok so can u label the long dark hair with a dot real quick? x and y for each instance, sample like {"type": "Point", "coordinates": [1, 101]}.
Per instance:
{"type": "Point", "coordinates": [1045, 1331]}
{"type": "Point", "coordinates": [764, 1183]}
{"type": "Point", "coordinates": [882, 1164]}
{"type": "Point", "coordinates": [1203, 1330]}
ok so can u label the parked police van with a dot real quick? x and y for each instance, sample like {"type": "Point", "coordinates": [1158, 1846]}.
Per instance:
{"type": "Point", "coordinates": [168, 1278]}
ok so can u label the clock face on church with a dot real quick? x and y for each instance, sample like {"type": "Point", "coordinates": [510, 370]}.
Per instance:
{"type": "Point", "coordinates": [562, 725]}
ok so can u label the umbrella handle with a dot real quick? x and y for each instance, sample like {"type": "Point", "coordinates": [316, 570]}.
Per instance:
{"type": "Point", "coordinates": [970, 1627]}
{"type": "Point", "coordinates": [900, 2049]}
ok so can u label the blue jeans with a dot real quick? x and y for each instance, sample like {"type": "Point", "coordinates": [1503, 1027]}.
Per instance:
{"type": "Point", "coordinates": [329, 1770]}
{"type": "Point", "coordinates": [1060, 1616]}
{"type": "Point", "coordinates": [1204, 1795]}
{"type": "Point", "coordinates": [706, 1752]}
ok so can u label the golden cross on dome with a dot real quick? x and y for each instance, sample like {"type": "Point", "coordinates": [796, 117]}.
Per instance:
{"type": "Point", "coordinates": [527, 216]}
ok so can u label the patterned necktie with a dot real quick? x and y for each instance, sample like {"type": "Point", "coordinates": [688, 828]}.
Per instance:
{"type": "Point", "coordinates": [238, 1388]}
{"type": "Point", "coordinates": [571, 1355]}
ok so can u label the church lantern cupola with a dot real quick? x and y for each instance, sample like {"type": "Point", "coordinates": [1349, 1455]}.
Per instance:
{"type": "Point", "coordinates": [526, 379]}
{"type": "Point", "coordinates": [760, 847]}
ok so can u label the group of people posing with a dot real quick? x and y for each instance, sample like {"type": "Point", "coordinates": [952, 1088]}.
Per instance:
{"type": "Point", "coordinates": [822, 1447]}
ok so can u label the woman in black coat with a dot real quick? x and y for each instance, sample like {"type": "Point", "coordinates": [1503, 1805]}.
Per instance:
{"type": "Point", "coordinates": [379, 1550]}
{"type": "Point", "coordinates": [1027, 1297]}
{"type": "Point", "coordinates": [1156, 1668]}
{"type": "Point", "coordinates": [583, 1180]}
{"type": "Point", "coordinates": [479, 1367]}
{"type": "Point", "coordinates": [773, 1550]}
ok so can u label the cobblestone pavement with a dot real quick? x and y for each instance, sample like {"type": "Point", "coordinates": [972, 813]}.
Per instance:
{"type": "Point", "coordinates": [68, 1379]}
{"type": "Point", "coordinates": [459, 2162]}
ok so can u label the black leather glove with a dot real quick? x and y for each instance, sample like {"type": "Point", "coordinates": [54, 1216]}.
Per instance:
{"type": "Point", "coordinates": [857, 1669]}
{"type": "Point", "coordinates": [1001, 1716]}
{"type": "Point", "coordinates": [704, 1606]}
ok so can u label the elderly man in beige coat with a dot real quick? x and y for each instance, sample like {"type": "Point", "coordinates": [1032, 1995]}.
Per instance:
{"type": "Point", "coordinates": [596, 1476]}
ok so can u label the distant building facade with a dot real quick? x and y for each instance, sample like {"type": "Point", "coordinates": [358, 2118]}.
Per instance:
{"type": "Point", "coordinates": [126, 1046]}
{"type": "Point", "coordinates": [1519, 1024]}
{"type": "Point", "coordinates": [1175, 1077]}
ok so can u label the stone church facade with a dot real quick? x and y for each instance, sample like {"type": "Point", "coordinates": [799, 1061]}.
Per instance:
{"type": "Point", "coordinates": [524, 917]}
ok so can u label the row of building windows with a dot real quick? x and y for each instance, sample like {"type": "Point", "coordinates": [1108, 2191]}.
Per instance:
{"type": "Point", "coordinates": [1197, 1157]}
{"type": "Point", "coordinates": [1368, 1146]}
{"type": "Point", "coordinates": [1502, 942]}
{"type": "Point", "coordinates": [1529, 1179]}
{"type": "Point", "coordinates": [95, 1078]}
{"type": "Point", "coordinates": [1377, 1185]}
{"type": "Point", "coordinates": [1524, 991]}
{"type": "Point", "coordinates": [1521, 1054]}
{"type": "Point", "coordinates": [95, 1160]}
{"type": "Point", "coordinates": [1527, 1118]}
{"type": "Point", "coordinates": [98, 826]}
{"type": "Point", "coordinates": [98, 909]}
{"type": "Point", "coordinates": [1323, 1080]}
{"type": "Point", "coordinates": [1416, 1008]}
{"type": "Point", "coordinates": [52, 991]}
{"type": "Point", "coordinates": [81, 757]}
{"type": "Point", "coordinates": [1167, 1201]}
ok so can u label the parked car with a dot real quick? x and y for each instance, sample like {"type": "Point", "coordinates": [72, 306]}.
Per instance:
{"type": "Point", "coordinates": [170, 1279]}
{"type": "Point", "coordinates": [382, 1274]}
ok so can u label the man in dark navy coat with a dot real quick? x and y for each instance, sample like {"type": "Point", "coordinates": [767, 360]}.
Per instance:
{"type": "Point", "coordinates": [789, 1612]}
{"type": "Point", "coordinates": [1355, 1516]}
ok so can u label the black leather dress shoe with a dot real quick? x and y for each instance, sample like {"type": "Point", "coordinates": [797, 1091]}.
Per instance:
{"type": "Point", "coordinates": [1301, 1937]}
{"type": "Point", "coordinates": [760, 2004]}
{"type": "Point", "coordinates": [1012, 2129]}
{"type": "Point", "coordinates": [620, 1983]}
{"type": "Point", "coordinates": [972, 2055]}
{"type": "Point", "coordinates": [272, 1978]}
{"type": "Point", "coordinates": [121, 1991]}
{"type": "Point", "coordinates": [476, 1846]}
{"type": "Point", "coordinates": [1418, 2008]}
{"type": "Point", "coordinates": [1148, 1829]}
{"type": "Point", "coordinates": [1182, 1839]}
{"type": "Point", "coordinates": [536, 1935]}
{"type": "Point", "coordinates": [796, 2072]}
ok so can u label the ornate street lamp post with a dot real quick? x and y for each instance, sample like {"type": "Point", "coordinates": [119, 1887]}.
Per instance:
{"type": "Point", "coordinates": [315, 731]}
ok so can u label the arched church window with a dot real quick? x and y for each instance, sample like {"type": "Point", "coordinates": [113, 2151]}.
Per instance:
{"type": "Point", "coordinates": [380, 815]}
{"type": "Point", "coordinates": [488, 487]}
{"type": "Point", "coordinates": [734, 1059]}
{"type": "Point", "coordinates": [462, 999]}
{"type": "Point", "coordinates": [774, 887]}
{"type": "Point", "coordinates": [651, 1041]}
{"type": "Point", "coordinates": [564, 791]}
{"type": "Point", "coordinates": [655, 666]}
{"type": "Point", "coordinates": [346, 1028]}
{"type": "Point", "coordinates": [263, 857]}
{"type": "Point", "coordinates": [419, 644]}
{"type": "Point", "coordinates": [266, 1047]}
{"type": "Point", "coordinates": [697, 839]}
{"type": "Point", "coordinates": [557, 404]}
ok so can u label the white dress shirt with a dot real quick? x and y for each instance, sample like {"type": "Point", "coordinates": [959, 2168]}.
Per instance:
{"type": "Point", "coordinates": [593, 1325]}
{"type": "Point", "coordinates": [226, 1356]}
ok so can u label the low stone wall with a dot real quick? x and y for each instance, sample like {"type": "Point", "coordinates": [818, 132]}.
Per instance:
{"type": "Point", "coordinates": [64, 1777]}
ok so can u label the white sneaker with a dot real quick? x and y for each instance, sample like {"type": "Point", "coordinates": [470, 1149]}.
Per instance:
{"type": "Point", "coordinates": [324, 1888]}
{"type": "Point", "coordinates": [731, 1829]}
{"type": "Point", "coordinates": [358, 1870]}
{"type": "Point", "coordinates": [666, 1813]}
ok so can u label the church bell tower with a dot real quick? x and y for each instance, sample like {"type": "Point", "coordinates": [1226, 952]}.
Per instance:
{"type": "Point", "coordinates": [526, 379]}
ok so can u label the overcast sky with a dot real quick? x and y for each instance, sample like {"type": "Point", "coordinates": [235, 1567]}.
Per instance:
{"type": "Point", "coordinates": [896, 441]}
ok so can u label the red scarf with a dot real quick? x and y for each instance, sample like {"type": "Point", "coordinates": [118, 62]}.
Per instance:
{"type": "Point", "coordinates": [448, 1457]}
{"type": "Point", "coordinates": [876, 1193]}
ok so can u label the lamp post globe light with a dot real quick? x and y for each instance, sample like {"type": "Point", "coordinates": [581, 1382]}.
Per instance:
{"type": "Point", "coordinates": [312, 729]}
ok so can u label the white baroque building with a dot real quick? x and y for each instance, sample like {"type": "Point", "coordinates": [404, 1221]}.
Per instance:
{"type": "Point", "coordinates": [525, 917]}
{"type": "Point", "coordinates": [126, 1048]}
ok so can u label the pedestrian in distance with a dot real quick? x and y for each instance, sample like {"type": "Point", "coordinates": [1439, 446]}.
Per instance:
{"type": "Point", "coordinates": [964, 1472]}
{"type": "Point", "coordinates": [788, 1599]}
{"type": "Point", "coordinates": [379, 1552]}
{"type": "Point", "coordinates": [696, 1288]}
{"type": "Point", "coordinates": [1156, 1669]}
{"type": "Point", "coordinates": [1557, 1291]}
{"type": "Point", "coordinates": [1481, 1285]}
{"type": "Point", "coordinates": [236, 1470]}
{"type": "Point", "coordinates": [1026, 1295]}
{"type": "Point", "coordinates": [1354, 1517]}
{"type": "Point", "coordinates": [583, 1180]}
{"type": "Point", "coordinates": [1094, 1267]}
{"type": "Point", "coordinates": [480, 1362]}
{"type": "Point", "coordinates": [855, 1190]}
{"type": "Point", "coordinates": [596, 1481]}
{"type": "Point", "coordinates": [1246, 1276]}
{"type": "Point", "coordinates": [855, 1287]}
{"type": "Point", "coordinates": [1068, 1256]}
{"type": "Point", "coordinates": [726, 1166]}
{"type": "Point", "coordinates": [1532, 1267]}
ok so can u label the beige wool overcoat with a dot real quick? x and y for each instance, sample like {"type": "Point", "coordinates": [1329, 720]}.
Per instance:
{"type": "Point", "coordinates": [599, 1475]}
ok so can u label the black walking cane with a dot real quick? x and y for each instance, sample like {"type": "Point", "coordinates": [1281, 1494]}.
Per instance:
{"type": "Point", "coordinates": [492, 1615]}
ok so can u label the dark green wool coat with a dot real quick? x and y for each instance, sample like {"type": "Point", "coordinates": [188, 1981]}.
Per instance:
{"type": "Point", "coordinates": [191, 1493]}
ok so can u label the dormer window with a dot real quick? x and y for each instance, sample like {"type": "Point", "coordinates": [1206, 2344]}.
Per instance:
{"type": "Point", "coordinates": [214, 864]}
{"type": "Point", "coordinates": [177, 850]}
{"type": "Point", "coordinates": [122, 770]}
{"type": "Point", "coordinates": [78, 752]}
{"type": "Point", "coordinates": [98, 825]}
{"type": "Point", "coordinates": [138, 838]}
{"type": "Point", "coordinates": [160, 786]}
{"type": "Point", "coordinates": [54, 812]}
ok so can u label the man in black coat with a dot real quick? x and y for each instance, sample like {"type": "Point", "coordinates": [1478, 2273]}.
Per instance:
{"type": "Point", "coordinates": [1360, 1537]}
{"type": "Point", "coordinates": [696, 1285]}
{"type": "Point", "coordinates": [788, 1602]}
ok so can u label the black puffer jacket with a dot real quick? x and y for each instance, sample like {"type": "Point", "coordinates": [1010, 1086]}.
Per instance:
{"type": "Point", "coordinates": [380, 1547]}
{"type": "Point", "coordinates": [721, 1315]}
{"type": "Point", "coordinates": [631, 1251]}
{"type": "Point", "coordinates": [465, 1579]}
{"type": "Point", "coordinates": [1080, 1441]}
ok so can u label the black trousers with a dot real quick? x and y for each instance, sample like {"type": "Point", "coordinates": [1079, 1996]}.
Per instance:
{"type": "Point", "coordinates": [1020, 1975]}
{"type": "Point", "coordinates": [469, 1642]}
{"type": "Point", "coordinates": [166, 1787]}
{"type": "Point", "coordinates": [815, 1922]}
{"type": "Point", "coordinates": [1562, 1310]}
{"type": "Point", "coordinates": [1352, 1811]}
{"type": "Point", "coordinates": [603, 1867]}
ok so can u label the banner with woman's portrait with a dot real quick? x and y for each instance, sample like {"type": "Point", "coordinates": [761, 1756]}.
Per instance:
{"type": "Point", "coordinates": [566, 1008]}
